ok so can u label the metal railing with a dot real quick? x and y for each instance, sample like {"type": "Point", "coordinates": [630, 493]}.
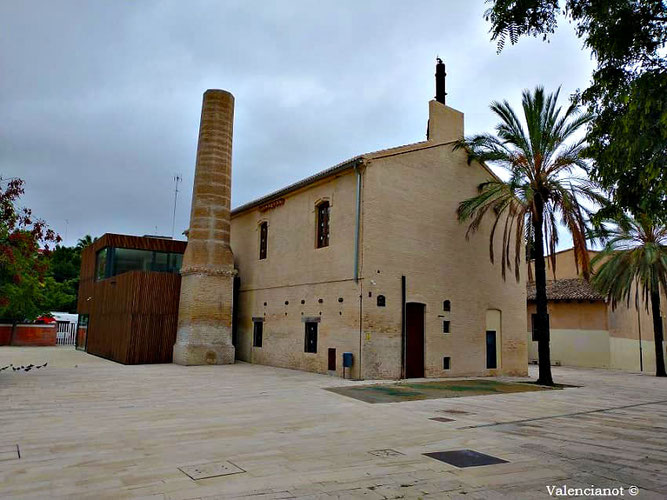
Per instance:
{"type": "Point", "coordinates": [66, 333]}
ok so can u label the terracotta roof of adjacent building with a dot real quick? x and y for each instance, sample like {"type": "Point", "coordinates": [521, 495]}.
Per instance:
{"type": "Point", "coordinates": [566, 289]}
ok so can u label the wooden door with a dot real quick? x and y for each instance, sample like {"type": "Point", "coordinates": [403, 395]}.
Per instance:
{"type": "Point", "coordinates": [414, 342]}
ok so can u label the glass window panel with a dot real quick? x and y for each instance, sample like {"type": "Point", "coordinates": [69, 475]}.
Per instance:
{"type": "Point", "coordinates": [101, 264]}
{"type": "Point", "coordinates": [130, 259]}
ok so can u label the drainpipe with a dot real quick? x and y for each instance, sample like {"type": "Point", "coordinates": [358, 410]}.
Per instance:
{"type": "Point", "coordinates": [357, 224]}
{"type": "Point", "coordinates": [403, 343]}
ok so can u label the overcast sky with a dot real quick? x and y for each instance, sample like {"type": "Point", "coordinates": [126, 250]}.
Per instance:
{"type": "Point", "coordinates": [100, 100]}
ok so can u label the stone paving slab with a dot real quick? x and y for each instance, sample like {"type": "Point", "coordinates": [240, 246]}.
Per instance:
{"type": "Point", "coordinates": [90, 428]}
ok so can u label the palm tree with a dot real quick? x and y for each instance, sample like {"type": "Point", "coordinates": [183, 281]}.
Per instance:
{"type": "Point", "coordinates": [635, 259]}
{"type": "Point", "coordinates": [540, 158]}
{"type": "Point", "coordinates": [85, 241]}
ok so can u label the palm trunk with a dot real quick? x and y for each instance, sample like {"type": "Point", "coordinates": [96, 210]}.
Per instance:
{"type": "Point", "coordinates": [657, 331]}
{"type": "Point", "coordinates": [542, 316]}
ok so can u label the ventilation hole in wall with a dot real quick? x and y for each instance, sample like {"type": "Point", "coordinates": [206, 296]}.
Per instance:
{"type": "Point", "coordinates": [301, 313]}
{"type": "Point", "coordinates": [303, 302]}
{"type": "Point", "coordinates": [320, 313]}
{"type": "Point", "coordinates": [340, 299]}
{"type": "Point", "coordinates": [340, 313]}
{"type": "Point", "coordinates": [320, 300]}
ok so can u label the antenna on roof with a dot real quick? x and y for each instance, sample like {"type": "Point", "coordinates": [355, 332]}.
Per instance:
{"type": "Point", "coordinates": [177, 178]}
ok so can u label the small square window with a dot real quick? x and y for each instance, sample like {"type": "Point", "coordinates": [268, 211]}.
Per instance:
{"type": "Point", "coordinates": [446, 363]}
{"type": "Point", "coordinates": [445, 326]}
{"type": "Point", "coordinates": [381, 301]}
{"type": "Point", "coordinates": [258, 333]}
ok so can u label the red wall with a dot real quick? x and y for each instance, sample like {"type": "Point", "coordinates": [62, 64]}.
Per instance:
{"type": "Point", "coordinates": [29, 335]}
{"type": "Point", "coordinates": [5, 334]}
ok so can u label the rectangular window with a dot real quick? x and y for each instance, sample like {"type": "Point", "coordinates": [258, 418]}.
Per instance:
{"type": "Point", "coordinates": [445, 326]}
{"type": "Point", "coordinates": [331, 365]}
{"type": "Point", "coordinates": [263, 237]}
{"type": "Point", "coordinates": [533, 321]}
{"type": "Point", "coordinates": [323, 213]}
{"type": "Point", "coordinates": [101, 261]}
{"type": "Point", "coordinates": [257, 334]}
{"type": "Point", "coordinates": [112, 261]}
{"type": "Point", "coordinates": [491, 358]}
{"type": "Point", "coordinates": [446, 363]}
{"type": "Point", "coordinates": [311, 337]}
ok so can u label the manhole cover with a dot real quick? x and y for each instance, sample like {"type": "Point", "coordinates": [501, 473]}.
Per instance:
{"type": "Point", "coordinates": [386, 453]}
{"type": "Point", "coordinates": [465, 458]}
{"type": "Point", "coordinates": [215, 469]}
{"type": "Point", "coordinates": [9, 452]}
{"type": "Point", "coordinates": [442, 419]}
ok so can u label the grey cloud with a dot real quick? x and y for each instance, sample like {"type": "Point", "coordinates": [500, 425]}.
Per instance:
{"type": "Point", "coordinates": [100, 100]}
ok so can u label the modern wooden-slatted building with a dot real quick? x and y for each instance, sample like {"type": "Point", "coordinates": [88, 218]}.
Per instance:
{"type": "Point", "coordinates": [128, 298]}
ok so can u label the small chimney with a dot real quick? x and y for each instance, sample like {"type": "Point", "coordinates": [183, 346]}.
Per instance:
{"type": "Point", "coordinates": [440, 81]}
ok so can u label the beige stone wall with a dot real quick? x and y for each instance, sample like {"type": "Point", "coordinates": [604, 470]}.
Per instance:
{"type": "Point", "coordinates": [591, 334]}
{"type": "Point", "coordinates": [411, 229]}
{"type": "Point", "coordinates": [573, 315]}
{"type": "Point", "coordinates": [566, 267]}
{"type": "Point", "coordinates": [574, 347]}
{"type": "Point", "coordinates": [296, 270]}
{"type": "Point", "coordinates": [408, 227]}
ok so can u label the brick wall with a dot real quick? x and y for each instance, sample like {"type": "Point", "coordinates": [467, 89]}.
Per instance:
{"type": "Point", "coordinates": [29, 335]}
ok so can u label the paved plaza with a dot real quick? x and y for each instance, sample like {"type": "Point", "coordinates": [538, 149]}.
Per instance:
{"type": "Point", "coordinates": [85, 428]}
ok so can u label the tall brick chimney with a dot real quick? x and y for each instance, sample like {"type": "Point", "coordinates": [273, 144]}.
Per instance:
{"type": "Point", "coordinates": [205, 310]}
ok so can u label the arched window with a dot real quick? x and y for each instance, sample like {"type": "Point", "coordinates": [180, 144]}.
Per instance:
{"type": "Point", "coordinates": [323, 211]}
{"type": "Point", "coordinates": [263, 237]}
{"type": "Point", "coordinates": [446, 306]}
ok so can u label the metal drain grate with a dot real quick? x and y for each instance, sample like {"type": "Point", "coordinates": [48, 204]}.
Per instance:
{"type": "Point", "coordinates": [9, 452]}
{"type": "Point", "coordinates": [455, 412]}
{"type": "Point", "coordinates": [465, 458]}
{"type": "Point", "coordinates": [213, 469]}
{"type": "Point", "coordinates": [442, 419]}
{"type": "Point", "coordinates": [388, 452]}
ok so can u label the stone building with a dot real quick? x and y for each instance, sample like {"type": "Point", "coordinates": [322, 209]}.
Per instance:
{"type": "Point", "coordinates": [368, 257]}
{"type": "Point", "coordinates": [585, 330]}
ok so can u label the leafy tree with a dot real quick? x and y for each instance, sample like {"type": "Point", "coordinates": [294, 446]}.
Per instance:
{"type": "Point", "coordinates": [61, 284]}
{"type": "Point", "coordinates": [24, 244]}
{"type": "Point", "coordinates": [541, 158]}
{"type": "Point", "coordinates": [628, 94]}
{"type": "Point", "coordinates": [635, 260]}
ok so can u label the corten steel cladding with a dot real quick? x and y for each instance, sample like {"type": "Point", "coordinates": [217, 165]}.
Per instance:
{"type": "Point", "coordinates": [205, 310]}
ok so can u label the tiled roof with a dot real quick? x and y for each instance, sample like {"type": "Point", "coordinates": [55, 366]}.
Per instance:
{"type": "Point", "coordinates": [566, 289]}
